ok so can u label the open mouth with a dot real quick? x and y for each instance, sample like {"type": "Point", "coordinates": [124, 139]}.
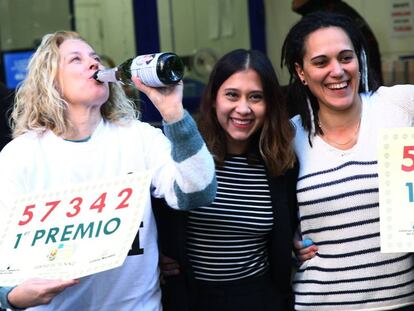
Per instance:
{"type": "Point", "coordinates": [241, 122]}
{"type": "Point", "coordinates": [337, 86]}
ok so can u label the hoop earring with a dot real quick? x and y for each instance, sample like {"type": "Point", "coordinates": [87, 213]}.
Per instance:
{"type": "Point", "coordinates": [303, 82]}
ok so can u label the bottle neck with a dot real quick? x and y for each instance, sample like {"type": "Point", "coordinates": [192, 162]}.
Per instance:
{"type": "Point", "coordinates": [106, 75]}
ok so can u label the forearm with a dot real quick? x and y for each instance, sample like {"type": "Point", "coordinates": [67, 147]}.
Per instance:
{"type": "Point", "coordinates": [195, 184]}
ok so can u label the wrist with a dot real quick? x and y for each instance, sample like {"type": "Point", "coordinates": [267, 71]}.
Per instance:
{"type": "Point", "coordinates": [6, 299]}
{"type": "Point", "coordinates": [173, 115]}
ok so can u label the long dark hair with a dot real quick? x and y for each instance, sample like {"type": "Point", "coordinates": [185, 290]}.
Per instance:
{"type": "Point", "coordinates": [293, 51]}
{"type": "Point", "coordinates": [273, 142]}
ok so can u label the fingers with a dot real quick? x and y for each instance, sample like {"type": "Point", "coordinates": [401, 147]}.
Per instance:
{"type": "Point", "coordinates": [169, 266]}
{"type": "Point", "coordinates": [305, 249]}
{"type": "Point", "coordinates": [162, 90]}
{"type": "Point", "coordinates": [170, 272]}
{"type": "Point", "coordinates": [166, 260]}
{"type": "Point", "coordinates": [140, 86]}
{"type": "Point", "coordinates": [61, 285]}
{"type": "Point", "coordinates": [301, 244]}
{"type": "Point", "coordinates": [307, 253]}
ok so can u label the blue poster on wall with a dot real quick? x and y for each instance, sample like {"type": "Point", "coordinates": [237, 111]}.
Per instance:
{"type": "Point", "coordinates": [15, 66]}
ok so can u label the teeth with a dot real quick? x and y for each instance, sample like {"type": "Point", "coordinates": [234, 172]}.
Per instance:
{"type": "Point", "coordinates": [337, 85]}
{"type": "Point", "coordinates": [242, 122]}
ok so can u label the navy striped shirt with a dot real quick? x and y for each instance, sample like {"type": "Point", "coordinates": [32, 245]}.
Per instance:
{"type": "Point", "coordinates": [227, 240]}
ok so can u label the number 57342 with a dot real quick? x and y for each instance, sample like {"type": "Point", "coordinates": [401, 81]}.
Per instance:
{"type": "Point", "coordinates": [73, 207]}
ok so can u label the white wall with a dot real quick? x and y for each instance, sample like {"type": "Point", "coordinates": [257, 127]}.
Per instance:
{"type": "Point", "coordinates": [279, 19]}
{"type": "Point", "coordinates": [108, 26]}
{"type": "Point", "coordinates": [205, 29]}
{"type": "Point", "coordinates": [22, 22]}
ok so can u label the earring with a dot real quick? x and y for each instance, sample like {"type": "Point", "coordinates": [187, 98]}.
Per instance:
{"type": "Point", "coordinates": [303, 82]}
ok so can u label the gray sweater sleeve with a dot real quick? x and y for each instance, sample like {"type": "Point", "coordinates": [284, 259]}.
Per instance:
{"type": "Point", "coordinates": [197, 184]}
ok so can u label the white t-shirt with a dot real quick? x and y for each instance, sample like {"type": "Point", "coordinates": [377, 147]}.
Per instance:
{"type": "Point", "coordinates": [32, 163]}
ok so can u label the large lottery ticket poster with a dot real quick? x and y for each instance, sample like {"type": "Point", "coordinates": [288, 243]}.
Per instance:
{"type": "Point", "coordinates": [396, 189]}
{"type": "Point", "coordinates": [72, 232]}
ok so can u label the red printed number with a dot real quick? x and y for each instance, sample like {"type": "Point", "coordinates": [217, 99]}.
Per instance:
{"type": "Point", "coordinates": [408, 154]}
{"type": "Point", "coordinates": [28, 213]}
{"type": "Point", "coordinates": [76, 207]}
{"type": "Point", "coordinates": [52, 207]}
{"type": "Point", "coordinates": [127, 192]}
{"type": "Point", "coordinates": [99, 204]}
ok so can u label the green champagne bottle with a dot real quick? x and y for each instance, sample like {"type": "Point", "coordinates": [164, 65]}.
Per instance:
{"type": "Point", "coordinates": [156, 70]}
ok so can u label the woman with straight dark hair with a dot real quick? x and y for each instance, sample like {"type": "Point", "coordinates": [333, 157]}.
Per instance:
{"type": "Point", "coordinates": [235, 254]}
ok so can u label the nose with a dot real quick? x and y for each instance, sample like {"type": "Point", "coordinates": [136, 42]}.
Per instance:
{"type": "Point", "coordinates": [243, 107]}
{"type": "Point", "coordinates": [94, 65]}
{"type": "Point", "coordinates": [337, 69]}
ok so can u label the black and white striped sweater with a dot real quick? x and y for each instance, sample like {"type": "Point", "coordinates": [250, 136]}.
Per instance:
{"type": "Point", "coordinates": [339, 210]}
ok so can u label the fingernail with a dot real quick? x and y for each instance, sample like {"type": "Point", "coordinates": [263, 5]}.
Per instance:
{"type": "Point", "coordinates": [307, 242]}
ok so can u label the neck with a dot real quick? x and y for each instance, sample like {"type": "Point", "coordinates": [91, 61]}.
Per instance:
{"type": "Point", "coordinates": [331, 120]}
{"type": "Point", "coordinates": [341, 128]}
{"type": "Point", "coordinates": [236, 147]}
{"type": "Point", "coordinates": [83, 122]}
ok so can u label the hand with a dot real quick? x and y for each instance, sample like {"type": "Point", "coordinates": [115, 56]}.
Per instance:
{"type": "Point", "coordinates": [34, 292]}
{"type": "Point", "coordinates": [304, 252]}
{"type": "Point", "coordinates": [168, 100]}
{"type": "Point", "coordinates": [169, 266]}
{"type": "Point", "coordinates": [304, 249]}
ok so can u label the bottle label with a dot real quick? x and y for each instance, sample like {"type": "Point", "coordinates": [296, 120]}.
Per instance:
{"type": "Point", "coordinates": [145, 67]}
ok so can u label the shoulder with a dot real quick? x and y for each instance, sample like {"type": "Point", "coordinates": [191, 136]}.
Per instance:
{"type": "Point", "coordinates": [20, 144]}
{"type": "Point", "coordinates": [20, 153]}
{"type": "Point", "coordinates": [133, 129]}
{"type": "Point", "coordinates": [296, 121]}
{"type": "Point", "coordinates": [396, 92]}
{"type": "Point", "coordinates": [298, 126]}
{"type": "Point", "coordinates": [397, 96]}
{"type": "Point", "coordinates": [301, 135]}
{"type": "Point", "coordinates": [130, 125]}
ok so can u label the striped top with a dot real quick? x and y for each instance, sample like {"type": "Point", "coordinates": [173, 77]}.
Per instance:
{"type": "Point", "coordinates": [338, 199]}
{"type": "Point", "coordinates": [227, 240]}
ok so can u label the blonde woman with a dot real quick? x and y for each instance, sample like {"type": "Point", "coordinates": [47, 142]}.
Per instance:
{"type": "Point", "coordinates": [69, 128]}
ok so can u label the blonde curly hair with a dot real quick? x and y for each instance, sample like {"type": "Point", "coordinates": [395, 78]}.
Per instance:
{"type": "Point", "coordinates": [39, 105]}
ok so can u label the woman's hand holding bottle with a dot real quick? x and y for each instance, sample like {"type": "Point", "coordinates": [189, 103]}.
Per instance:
{"type": "Point", "coordinates": [168, 100]}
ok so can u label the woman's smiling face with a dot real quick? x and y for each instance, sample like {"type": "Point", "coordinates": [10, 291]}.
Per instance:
{"type": "Point", "coordinates": [240, 109]}
{"type": "Point", "coordinates": [330, 68]}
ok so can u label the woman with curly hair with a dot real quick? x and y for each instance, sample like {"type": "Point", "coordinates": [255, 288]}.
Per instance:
{"type": "Point", "coordinates": [68, 128]}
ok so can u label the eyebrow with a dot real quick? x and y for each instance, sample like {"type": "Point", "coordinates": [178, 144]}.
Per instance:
{"type": "Point", "coordinates": [238, 90]}
{"type": "Point", "coordinates": [78, 53]}
{"type": "Point", "coordinates": [341, 52]}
